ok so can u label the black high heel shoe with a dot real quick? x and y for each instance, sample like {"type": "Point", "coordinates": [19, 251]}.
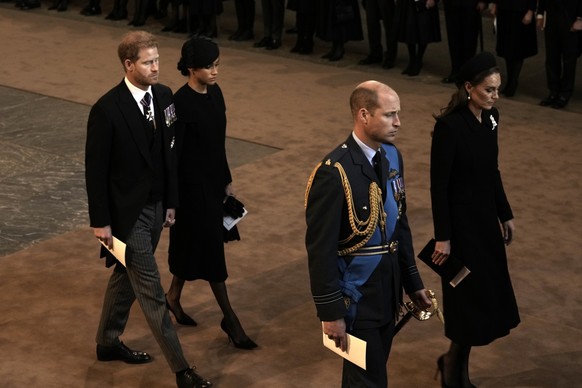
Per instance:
{"type": "Point", "coordinates": [441, 370]}
{"type": "Point", "coordinates": [182, 319]}
{"type": "Point", "coordinates": [246, 344]}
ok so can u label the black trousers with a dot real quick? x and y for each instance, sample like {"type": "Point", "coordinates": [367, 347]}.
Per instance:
{"type": "Point", "coordinates": [379, 342]}
{"type": "Point", "coordinates": [562, 49]}
{"type": "Point", "coordinates": [381, 13]}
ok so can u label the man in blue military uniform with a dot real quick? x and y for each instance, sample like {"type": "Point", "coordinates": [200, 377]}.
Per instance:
{"type": "Point", "coordinates": [358, 240]}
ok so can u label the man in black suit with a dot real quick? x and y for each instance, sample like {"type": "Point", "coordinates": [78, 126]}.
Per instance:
{"type": "Point", "coordinates": [381, 13]}
{"type": "Point", "coordinates": [358, 240]}
{"type": "Point", "coordinates": [562, 31]}
{"type": "Point", "coordinates": [132, 190]}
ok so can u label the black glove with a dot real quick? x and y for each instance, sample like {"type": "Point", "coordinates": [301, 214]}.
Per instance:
{"type": "Point", "coordinates": [233, 207]}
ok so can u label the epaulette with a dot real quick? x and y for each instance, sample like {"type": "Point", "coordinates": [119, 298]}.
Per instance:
{"type": "Point", "coordinates": [328, 161]}
{"type": "Point", "coordinates": [335, 155]}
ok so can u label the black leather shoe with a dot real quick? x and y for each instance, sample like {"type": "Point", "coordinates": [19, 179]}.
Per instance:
{"type": "Point", "coordinates": [117, 15]}
{"type": "Point", "coordinates": [370, 59]}
{"type": "Point", "coordinates": [449, 79]}
{"type": "Point", "coordinates": [560, 102]}
{"type": "Point", "coordinates": [182, 319]}
{"type": "Point", "coordinates": [274, 44]}
{"type": "Point", "coordinates": [190, 379]}
{"type": "Point", "coordinates": [387, 63]}
{"type": "Point", "coordinates": [122, 353]}
{"type": "Point", "coordinates": [91, 10]}
{"type": "Point", "coordinates": [245, 35]}
{"type": "Point", "coordinates": [26, 5]}
{"type": "Point", "coordinates": [263, 42]}
{"type": "Point", "coordinates": [549, 100]}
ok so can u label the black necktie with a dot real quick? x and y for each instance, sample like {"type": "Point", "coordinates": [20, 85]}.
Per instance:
{"type": "Point", "coordinates": [377, 160]}
{"type": "Point", "coordinates": [146, 101]}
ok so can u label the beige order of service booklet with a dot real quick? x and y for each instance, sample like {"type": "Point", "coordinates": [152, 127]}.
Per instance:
{"type": "Point", "coordinates": [355, 351]}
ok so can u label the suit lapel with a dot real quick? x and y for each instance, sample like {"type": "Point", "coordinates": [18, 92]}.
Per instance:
{"type": "Point", "coordinates": [360, 159]}
{"type": "Point", "coordinates": [134, 120]}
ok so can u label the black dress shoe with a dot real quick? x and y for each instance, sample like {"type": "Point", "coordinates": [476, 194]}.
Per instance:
{"type": "Point", "coordinates": [117, 15]}
{"type": "Point", "coordinates": [122, 353]}
{"type": "Point", "coordinates": [91, 10]}
{"type": "Point", "coordinates": [182, 319]}
{"type": "Point", "coordinates": [449, 79]}
{"type": "Point", "coordinates": [26, 5]}
{"type": "Point", "coordinates": [244, 36]}
{"type": "Point", "coordinates": [274, 44]}
{"type": "Point", "coordinates": [190, 379]}
{"type": "Point", "coordinates": [263, 42]}
{"type": "Point", "coordinates": [387, 63]}
{"type": "Point", "coordinates": [246, 344]}
{"type": "Point", "coordinates": [337, 54]}
{"type": "Point", "coordinates": [549, 100]}
{"type": "Point", "coordinates": [370, 59]}
{"type": "Point", "coordinates": [560, 102]}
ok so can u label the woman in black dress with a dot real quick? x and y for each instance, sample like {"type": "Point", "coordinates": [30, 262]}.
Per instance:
{"type": "Point", "coordinates": [516, 37]}
{"type": "Point", "coordinates": [197, 239]}
{"type": "Point", "coordinates": [472, 218]}
{"type": "Point", "coordinates": [418, 25]}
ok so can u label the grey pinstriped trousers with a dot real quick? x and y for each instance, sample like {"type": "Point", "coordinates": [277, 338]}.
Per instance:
{"type": "Point", "coordinates": [141, 281]}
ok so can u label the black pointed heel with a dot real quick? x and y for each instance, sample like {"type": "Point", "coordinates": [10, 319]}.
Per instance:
{"type": "Point", "coordinates": [246, 344]}
{"type": "Point", "coordinates": [441, 370]}
{"type": "Point", "coordinates": [182, 319]}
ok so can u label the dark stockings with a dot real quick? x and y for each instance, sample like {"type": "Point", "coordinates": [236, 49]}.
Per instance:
{"type": "Point", "coordinates": [456, 366]}
{"type": "Point", "coordinates": [415, 56]}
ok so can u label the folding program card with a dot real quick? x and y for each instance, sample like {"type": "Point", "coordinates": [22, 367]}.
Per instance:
{"type": "Point", "coordinates": [118, 250]}
{"type": "Point", "coordinates": [355, 352]}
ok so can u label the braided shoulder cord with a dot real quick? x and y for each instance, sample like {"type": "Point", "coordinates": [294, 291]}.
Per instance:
{"type": "Point", "coordinates": [310, 183]}
{"type": "Point", "coordinates": [364, 228]}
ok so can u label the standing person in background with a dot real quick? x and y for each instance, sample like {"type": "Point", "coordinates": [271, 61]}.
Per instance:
{"type": "Point", "coordinates": [562, 32]}
{"type": "Point", "coordinates": [305, 18]}
{"type": "Point", "coordinates": [381, 13]}
{"type": "Point", "coordinates": [245, 17]}
{"type": "Point", "coordinates": [197, 240]}
{"type": "Point", "coordinates": [472, 218]}
{"type": "Point", "coordinates": [273, 17]}
{"type": "Point", "coordinates": [358, 241]}
{"type": "Point", "coordinates": [132, 190]}
{"type": "Point", "coordinates": [516, 37]}
{"type": "Point", "coordinates": [418, 25]}
{"type": "Point", "coordinates": [338, 21]}
{"type": "Point", "coordinates": [463, 24]}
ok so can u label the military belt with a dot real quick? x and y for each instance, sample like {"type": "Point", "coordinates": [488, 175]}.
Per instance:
{"type": "Point", "coordinates": [391, 248]}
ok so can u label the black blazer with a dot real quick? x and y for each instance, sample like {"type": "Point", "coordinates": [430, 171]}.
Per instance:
{"type": "Point", "coordinates": [328, 223]}
{"type": "Point", "coordinates": [118, 161]}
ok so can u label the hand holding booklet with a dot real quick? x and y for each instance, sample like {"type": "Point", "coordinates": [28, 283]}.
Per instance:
{"type": "Point", "coordinates": [118, 250]}
{"type": "Point", "coordinates": [355, 352]}
{"type": "Point", "coordinates": [452, 271]}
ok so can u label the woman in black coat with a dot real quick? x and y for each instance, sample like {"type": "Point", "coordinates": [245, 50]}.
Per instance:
{"type": "Point", "coordinates": [516, 36]}
{"type": "Point", "coordinates": [197, 239]}
{"type": "Point", "coordinates": [418, 25]}
{"type": "Point", "coordinates": [472, 218]}
{"type": "Point", "coordinates": [338, 21]}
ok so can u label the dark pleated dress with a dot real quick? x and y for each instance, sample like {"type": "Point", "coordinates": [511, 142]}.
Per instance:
{"type": "Point", "coordinates": [416, 23]}
{"type": "Point", "coordinates": [515, 40]}
{"type": "Point", "coordinates": [197, 239]}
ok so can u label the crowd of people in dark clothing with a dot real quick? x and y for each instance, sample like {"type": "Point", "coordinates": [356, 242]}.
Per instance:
{"type": "Point", "coordinates": [415, 23]}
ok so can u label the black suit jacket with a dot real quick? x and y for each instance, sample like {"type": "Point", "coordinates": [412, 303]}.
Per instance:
{"type": "Point", "coordinates": [118, 160]}
{"type": "Point", "coordinates": [328, 223]}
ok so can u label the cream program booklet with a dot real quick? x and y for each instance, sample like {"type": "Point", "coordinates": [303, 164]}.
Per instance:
{"type": "Point", "coordinates": [355, 352]}
{"type": "Point", "coordinates": [118, 250]}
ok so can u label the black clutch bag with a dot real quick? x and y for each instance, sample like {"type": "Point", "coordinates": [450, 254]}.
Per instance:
{"type": "Point", "coordinates": [453, 271]}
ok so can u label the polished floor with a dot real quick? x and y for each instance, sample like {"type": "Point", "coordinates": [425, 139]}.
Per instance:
{"type": "Point", "coordinates": [285, 112]}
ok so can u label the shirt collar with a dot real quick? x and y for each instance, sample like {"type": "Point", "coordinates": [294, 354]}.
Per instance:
{"type": "Point", "coordinates": [368, 152]}
{"type": "Point", "coordinates": [136, 92]}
